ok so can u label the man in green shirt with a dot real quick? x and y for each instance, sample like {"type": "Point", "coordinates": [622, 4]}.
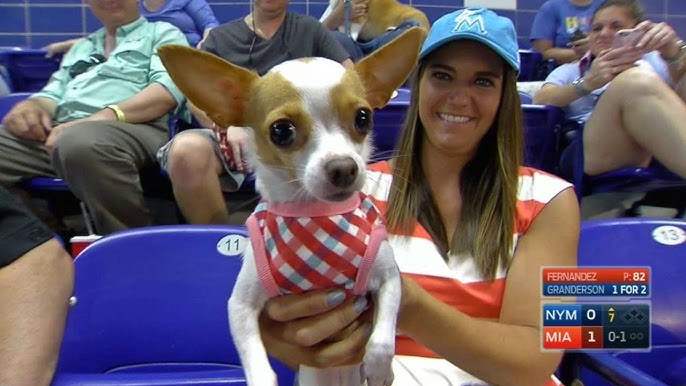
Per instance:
{"type": "Point", "coordinates": [100, 119]}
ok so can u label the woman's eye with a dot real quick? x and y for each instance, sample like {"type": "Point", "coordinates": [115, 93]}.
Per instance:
{"type": "Point", "coordinates": [484, 82]}
{"type": "Point", "coordinates": [441, 76]}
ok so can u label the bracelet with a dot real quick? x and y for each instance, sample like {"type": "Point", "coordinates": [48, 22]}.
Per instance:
{"type": "Point", "coordinates": [118, 112]}
{"type": "Point", "coordinates": [580, 87]}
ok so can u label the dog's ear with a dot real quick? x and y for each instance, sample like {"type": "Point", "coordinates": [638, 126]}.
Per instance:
{"type": "Point", "coordinates": [387, 68]}
{"type": "Point", "coordinates": [215, 86]}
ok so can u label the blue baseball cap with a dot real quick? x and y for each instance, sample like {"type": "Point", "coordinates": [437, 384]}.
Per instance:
{"type": "Point", "coordinates": [480, 24]}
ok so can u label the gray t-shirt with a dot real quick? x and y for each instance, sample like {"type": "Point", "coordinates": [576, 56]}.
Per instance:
{"type": "Point", "coordinates": [299, 36]}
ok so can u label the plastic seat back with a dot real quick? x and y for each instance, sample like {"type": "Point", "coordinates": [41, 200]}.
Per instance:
{"type": "Point", "coordinates": [541, 123]}
{"type": "Point", "coordinates": [151, 307]}
{"type": "Point", "coordinates": [388, 122]}
{"type": "Point", "coordinates": [660, 244]}
{"type": "Point", "coordinates": [28, 68]}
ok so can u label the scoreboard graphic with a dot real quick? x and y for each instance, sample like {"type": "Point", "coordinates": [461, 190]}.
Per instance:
{"type": "Point", "coordinates": [611, 308]}
{"type": "Point", "coordinates": [614, 282]}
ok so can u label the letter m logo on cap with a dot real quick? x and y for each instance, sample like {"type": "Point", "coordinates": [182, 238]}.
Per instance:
{"type": "Point", "coordinates": [470, 20]}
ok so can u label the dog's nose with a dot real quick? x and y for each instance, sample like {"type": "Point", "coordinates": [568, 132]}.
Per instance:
{"type": "Point", "coordinates": [341, 172]}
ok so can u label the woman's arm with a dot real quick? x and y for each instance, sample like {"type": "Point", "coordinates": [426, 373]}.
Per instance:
{"type": "Point", "coordinates": [506, 351]}
{"type": "Point", "coordinates": [559, 55]}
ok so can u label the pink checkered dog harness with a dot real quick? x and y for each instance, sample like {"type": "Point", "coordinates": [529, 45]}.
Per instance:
{"type": "Point", "coordinates": [300, 247]}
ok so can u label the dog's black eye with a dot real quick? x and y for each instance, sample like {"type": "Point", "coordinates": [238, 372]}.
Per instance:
{"type": "Point", "coordinates": [363, 121]}
{"type": "Point", "coordinates": [282, 133]}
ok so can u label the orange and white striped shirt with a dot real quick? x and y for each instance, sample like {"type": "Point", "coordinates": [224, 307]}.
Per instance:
{"type": "Point", "coordinates": [456, 282]}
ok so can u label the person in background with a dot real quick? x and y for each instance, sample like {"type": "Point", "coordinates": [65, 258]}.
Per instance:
{"type": "Point", "coordinates": [555, 24]}
{"type": "Point", "coordinates": [333, 18]}
{"type": "Point", "coordinates": [469, 225]}
{"type": "Point", "coordinates": [36, 281]}
{"type": "Point", "coordinates": [101, 118]}
{"type": "Point", "coordinates": [622, 95]}
{"type": "Point", "coordinates": [204, 163]}
{"type": "Point", "coordinates": [193, 17]}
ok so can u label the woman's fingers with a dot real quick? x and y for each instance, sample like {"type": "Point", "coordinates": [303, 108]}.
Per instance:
{"type": "Point", "coordinates": [315, 329]}
{"type": "Point", "coordinates": [291, 307]}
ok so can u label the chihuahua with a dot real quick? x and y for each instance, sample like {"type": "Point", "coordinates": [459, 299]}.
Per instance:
{"type": "Point", "coordinates": [310, 122]}
{"type": "Point", "coordinates": [382, 16]}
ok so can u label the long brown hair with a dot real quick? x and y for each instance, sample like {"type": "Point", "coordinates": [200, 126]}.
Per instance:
{"type": "Point", "coordinates": [489, 184]}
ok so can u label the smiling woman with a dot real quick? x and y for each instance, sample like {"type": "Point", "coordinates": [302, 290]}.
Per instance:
{"type": "Point", "coordinates": [469, 226]}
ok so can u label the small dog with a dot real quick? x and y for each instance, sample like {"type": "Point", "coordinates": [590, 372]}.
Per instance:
{"type": "Point", "coordinates": [382, 16]}
{"type": "Point", "coordinates": [310, 121]}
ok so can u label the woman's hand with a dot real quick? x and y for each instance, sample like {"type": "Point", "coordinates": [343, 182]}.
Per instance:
{"type": "Point", "coordinates": [317, 329]}
{"type": "Point", "coordinates": [658, 37]}
{"type": "Point", "coordinates": [610, 63]}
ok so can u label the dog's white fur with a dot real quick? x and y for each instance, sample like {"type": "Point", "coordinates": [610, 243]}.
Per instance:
{"type": "Point", "coordinates": [219, 88]}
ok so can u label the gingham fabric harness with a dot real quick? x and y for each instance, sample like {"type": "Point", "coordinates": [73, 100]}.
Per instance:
{"type": "Point", "coordinates": [316, 245]}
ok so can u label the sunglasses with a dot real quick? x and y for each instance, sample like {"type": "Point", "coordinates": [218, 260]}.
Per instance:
{"type": "Point", "coordinates": [84, 65]}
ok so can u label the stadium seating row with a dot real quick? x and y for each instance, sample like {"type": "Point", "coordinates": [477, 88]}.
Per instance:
{"type": "Point", "coordinates": [150, 307]}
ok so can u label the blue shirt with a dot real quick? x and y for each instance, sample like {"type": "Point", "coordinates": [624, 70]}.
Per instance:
{"type": "Point", "coordinates": [582, 108]}
{"type": "Point", "coordinates": [192, 17]}
{"type": "Point", "coordinates": [557, 20]}
{"type": "Point", "coordinates": [132, 66]}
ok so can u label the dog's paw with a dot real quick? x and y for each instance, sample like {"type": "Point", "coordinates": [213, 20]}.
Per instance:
{"type": "Point", "coordinates": [376, 364]}
{"type": "Point", "coordinates": [264, 378]}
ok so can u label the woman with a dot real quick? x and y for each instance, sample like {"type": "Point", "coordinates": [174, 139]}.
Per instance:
{"type": "Point", "coordinates": [457, 203]}
{"type": "Point", "coordinates": [193, 17]}
{"type": "Point", "coordinates": [630, 113]}
{"type": "Point", "coordinates": [556, 25]}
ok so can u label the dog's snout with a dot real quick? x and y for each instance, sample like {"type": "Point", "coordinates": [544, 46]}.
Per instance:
{"type": "Point", "coordinates": [341, 172]}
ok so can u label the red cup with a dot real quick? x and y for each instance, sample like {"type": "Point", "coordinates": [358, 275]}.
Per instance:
{"type": "Point", "coordinates": [79, 243]}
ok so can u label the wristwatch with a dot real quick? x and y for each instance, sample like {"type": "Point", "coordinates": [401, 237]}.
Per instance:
{"type": "Point", "coordinates": [580, 87]}
{"type": "Point", "coordinates": [680, 57]}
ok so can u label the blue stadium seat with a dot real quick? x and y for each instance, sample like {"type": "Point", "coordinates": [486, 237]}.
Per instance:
{"type": "Point", "coordinates": [660, 244]}
{"type": "Point", "coordinates": [151, 309]}
{"type": "Point", "coordinates": [388, 122]}
{"type": "Point", "coordinates": [28, 68]}
{"type": "Point", "coordinates": [541, 125]}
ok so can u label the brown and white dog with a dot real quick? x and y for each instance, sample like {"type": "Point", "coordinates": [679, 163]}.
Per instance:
{"type": "Point", "coordinates": [310, 127]}
{"type": "Point", "coordinates": [381, 16]}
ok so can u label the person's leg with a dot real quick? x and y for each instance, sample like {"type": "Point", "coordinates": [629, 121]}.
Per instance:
{"type": "Point", "coordinates": [376, 43]}
{"type": "Point", "coordinates": [36, 280]}
{"type": "Point", "coordinates": [194, 169]}
{"type": "Point", "coordinates": [636, 118]}
{"type": "Point", "coordinates": [21, 159]}
{"type": "Point", "coordinates": [34, 299]}
{"type": "Point", "coordinates": [351, 46]}
{"type": "Point", "coordinates": [101, 162]}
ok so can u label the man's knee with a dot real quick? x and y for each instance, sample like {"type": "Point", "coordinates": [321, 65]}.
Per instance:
{"type": "Point", "coordinates": [190, 156]}
{"type": "Point", "coordinates": [78, 147]}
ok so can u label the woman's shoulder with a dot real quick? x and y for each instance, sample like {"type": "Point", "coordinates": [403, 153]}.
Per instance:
{"type": "Point", "coordinates": [537, 185]}
{"type": "Point", "coordinates": [378, 180]}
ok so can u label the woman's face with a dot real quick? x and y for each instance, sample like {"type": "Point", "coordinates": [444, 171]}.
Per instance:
{"type": "Point", "coordinates": [459, 95]}
{"type": "Point", "coordinates": [605, 25]}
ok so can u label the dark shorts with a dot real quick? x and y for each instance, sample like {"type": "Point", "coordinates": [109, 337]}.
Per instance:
{"type": "Point", "coordinates": [20, 231]}
{"type": "Point", "coordinates": [572, 158]}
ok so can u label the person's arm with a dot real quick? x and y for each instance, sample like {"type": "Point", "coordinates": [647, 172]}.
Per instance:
{"type": "Point", "coordinates": [333, 16]}
{"type": "Point", "coordinates": [202, 16]}
{"type": "Point", "coordinates": [60, 47]}
{"type": "Point", "coordinates": [31, 119]}
{"type": "Point", "coordinates": [560, 91]}
{"type": "Point", "coordinates": [501, 351]}
{"type": "Point", "coordinates": [559, 55]}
